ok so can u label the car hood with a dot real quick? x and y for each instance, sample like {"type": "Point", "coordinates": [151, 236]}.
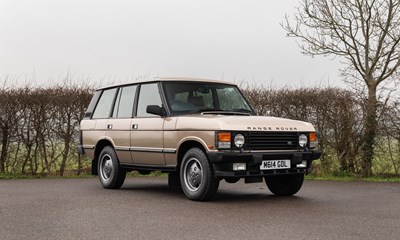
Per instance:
{"type": "Point", "coordinates": [241, 123]}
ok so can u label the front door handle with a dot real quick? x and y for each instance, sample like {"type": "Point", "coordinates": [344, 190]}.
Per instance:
{"type": "Point", "coordinates": [135, 126]}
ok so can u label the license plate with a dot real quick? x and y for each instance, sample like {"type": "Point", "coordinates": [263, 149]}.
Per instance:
{"type": "Point", "coordinates": [275, 164]}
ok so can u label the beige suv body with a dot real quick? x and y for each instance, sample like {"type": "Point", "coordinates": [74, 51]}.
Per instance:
{"type": "Point", "coordinates": [199, 131]}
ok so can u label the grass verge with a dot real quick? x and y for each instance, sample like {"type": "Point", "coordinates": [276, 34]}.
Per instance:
{"type": "Point", "coordinates": [392, 179]}
{"type": "Point", "coordinates": [21, 176]}
{"type": "Point", "coordinates": [353, 178]}
{"type": "Point", "coordinates": [85, 175]}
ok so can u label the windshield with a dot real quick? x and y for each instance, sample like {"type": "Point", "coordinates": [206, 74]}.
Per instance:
{"type": "Point", "coordinates": [195, 97]}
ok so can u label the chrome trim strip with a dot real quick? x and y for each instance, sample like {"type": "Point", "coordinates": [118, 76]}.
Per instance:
{"type": "Point", "coordinates": [146, 149]}
{"type": "Point", "coordinates": [88, 146]}
{"type": "Point", "coordinates": [150, 149]}
{"type": "Point", "coordinates": [169, 150]}
{"type": "Point", "coordinates": [122, 148]}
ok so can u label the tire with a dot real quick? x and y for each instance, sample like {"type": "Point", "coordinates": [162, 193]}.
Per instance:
{"type": "Point", "coordinates": [284, 185]}
{"type": "Point", "coordinates": [111, 174]}
{"type": "Point", "coordinates": [197, 178]}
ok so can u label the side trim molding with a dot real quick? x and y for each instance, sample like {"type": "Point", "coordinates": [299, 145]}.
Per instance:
{"type": "Point", "coordinates": [146, 149]}
{"type": "Point", "coordinates": [88, 146]}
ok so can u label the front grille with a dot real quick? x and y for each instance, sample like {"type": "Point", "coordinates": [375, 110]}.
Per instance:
{"type": "Point", "coordinates": [272, 140]}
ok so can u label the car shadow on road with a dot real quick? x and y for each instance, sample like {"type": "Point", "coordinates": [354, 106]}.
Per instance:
{"type": "Point", "coordinates": [152, 188]}
{"type": "Point", "coordinates": [245, 197]}
{"type": "Point", "coordinates": [222, 196]}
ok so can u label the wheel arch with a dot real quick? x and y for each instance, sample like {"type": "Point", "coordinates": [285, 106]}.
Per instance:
{"type": "Point", "coordinates": [184, 147]}
{"type": "Point", "coordinates": [97, 150]}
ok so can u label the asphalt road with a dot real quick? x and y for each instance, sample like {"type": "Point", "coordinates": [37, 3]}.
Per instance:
{"type": "Point", "coordinates": [146, 209]}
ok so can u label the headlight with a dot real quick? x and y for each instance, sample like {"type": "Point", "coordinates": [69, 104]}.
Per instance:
{"type": "Point", "coordinates": [302, 140]}
{"type": "Point", "coordinates": [239, 140]}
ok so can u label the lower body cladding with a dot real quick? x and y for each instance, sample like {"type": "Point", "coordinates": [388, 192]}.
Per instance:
{"type": "Point", "coordinates": [254, 166]}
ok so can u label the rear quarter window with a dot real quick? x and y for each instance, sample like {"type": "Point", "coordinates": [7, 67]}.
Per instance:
{"type": "Point", "coordinates": [92, 105]}
{"type": "Point", "coordinates": [105, 103]}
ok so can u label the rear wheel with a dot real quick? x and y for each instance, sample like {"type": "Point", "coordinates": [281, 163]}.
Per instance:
{"type": "Point", "coordinates": [284, 185]}
{"type": "Point", "coordinates": [197, 178]}
{"type": "Point", "coordinates": [111, 174]}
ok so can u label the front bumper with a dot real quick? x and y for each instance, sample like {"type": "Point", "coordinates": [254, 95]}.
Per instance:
{"type": "Point", "coordinates": [222, 162]}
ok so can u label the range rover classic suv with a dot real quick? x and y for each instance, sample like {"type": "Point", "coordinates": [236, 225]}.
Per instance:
{"type": "Point", "coordinates": [198, 131]}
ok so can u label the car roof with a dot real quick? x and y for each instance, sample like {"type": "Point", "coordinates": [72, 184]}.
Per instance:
{"type": "Point", "coordinates": [170, 79]}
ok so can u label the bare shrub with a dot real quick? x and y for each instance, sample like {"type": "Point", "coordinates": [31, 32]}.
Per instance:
{"type": "Point", "coordinates": [40, 129]}
{"type": "Point", "coordinates": [334, 112]}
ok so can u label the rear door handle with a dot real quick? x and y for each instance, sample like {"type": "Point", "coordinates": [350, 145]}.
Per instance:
{"type": "Point", "coordinates": [135, 126]}
{"type": "Point", "coordinates": [109, 126]}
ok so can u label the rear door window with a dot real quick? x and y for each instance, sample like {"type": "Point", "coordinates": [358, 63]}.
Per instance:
{"type": "Point", "coordinates": [124, 103]}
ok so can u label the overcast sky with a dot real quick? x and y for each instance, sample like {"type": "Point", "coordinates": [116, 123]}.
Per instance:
{"type": "Point", "coordinates": [121, 40]}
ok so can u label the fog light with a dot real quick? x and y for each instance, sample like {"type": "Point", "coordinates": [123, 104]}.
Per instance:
{"type": "Point", "coordinates": [239, 166]}
{"type": "Point", "coordinates": [303, 164]}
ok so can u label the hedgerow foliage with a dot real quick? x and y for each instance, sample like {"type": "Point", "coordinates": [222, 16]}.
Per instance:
{"type": "Point", "coordinates": [39, 127]}
{"type": "Point", "coordinates": [338, 116]}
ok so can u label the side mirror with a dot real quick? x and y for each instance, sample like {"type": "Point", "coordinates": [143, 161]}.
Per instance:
{"type": "Point", "coordinates": [156, 110]}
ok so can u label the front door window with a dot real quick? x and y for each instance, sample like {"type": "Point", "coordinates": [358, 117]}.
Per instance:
{"type": "Point", "coordinates": [149, 95]}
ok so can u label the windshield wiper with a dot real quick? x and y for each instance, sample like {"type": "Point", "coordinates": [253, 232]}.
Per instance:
{"type": "Point", "coordinates": [241, 110]}
{"type": "Point", "coordinates": [206, 110]}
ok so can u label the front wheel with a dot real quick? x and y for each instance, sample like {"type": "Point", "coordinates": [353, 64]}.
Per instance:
{"type": "Point", "coordinates": [197, 178]}
{"type": "Point", "coordinates": [111, 174]}
{"type": "Point", "coordinates": [284, 185]}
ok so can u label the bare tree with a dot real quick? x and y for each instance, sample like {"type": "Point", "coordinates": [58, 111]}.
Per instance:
{"type": "Point", "coordinates": [365, 34]}
{"type": "Point", "coordinates": [9, 118]}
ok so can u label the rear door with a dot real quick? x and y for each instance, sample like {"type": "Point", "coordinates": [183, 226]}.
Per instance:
{"type": "Point", "coordinates": [120, 123]}
{"type": "Point", "coordinates": [147, 141]}
{"type": "Point", "coordinates": [94, 125]}
{"type": "Point", "coordinates": [101, 115]}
